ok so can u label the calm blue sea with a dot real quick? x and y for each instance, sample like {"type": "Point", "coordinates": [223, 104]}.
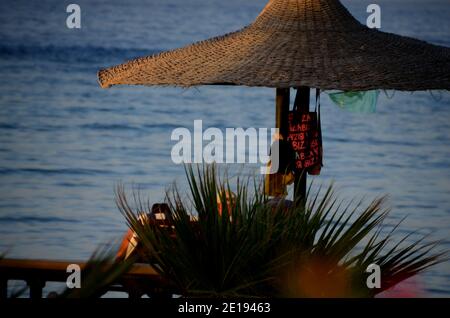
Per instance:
{"type": "Point", "coordinates": [65, 143]}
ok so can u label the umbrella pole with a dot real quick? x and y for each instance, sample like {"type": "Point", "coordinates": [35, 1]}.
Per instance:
{"type": "Point", "coordinates": [282, 111]}
{"type": "Point", "coordinates": [282, 114]}
{"type": "Point", "coordinates": [300, 178]}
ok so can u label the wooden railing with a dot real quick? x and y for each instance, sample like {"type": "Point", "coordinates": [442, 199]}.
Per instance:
{"type": "Point", "coordinates": [139, 280]}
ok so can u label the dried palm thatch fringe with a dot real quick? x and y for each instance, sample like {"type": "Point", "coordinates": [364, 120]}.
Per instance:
{"type": "Point", "coordinates": [315, 43]}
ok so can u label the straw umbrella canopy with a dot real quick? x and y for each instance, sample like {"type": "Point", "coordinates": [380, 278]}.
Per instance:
{"type": "Point", "coordinates": [295, 43]}
{"type": "Point", "coordinates": [292, 43]}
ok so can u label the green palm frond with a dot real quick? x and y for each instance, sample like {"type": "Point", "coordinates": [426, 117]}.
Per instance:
{"type": "Point", "coordinates": [258, 249]}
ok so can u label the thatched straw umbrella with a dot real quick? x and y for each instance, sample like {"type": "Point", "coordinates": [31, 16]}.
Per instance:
{"type": "Point", "coordinates": [296, 44]}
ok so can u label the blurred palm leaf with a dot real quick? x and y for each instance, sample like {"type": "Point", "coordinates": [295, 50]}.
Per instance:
{"type": "Point", "coordinates": [100, 272]}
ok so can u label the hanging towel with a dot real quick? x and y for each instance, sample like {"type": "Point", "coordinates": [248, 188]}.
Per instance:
{"type": "Point", "coordinates": [357, 102]}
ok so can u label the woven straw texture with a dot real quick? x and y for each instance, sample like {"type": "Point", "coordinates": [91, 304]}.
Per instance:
{"type": "Point", "coordinates": [315, 43]}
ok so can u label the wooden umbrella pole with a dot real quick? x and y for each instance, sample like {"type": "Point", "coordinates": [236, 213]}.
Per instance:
{"type": "Point", "coordinates": [282, 111]}
{"type": "Point", "coordinates": [300, 178]}
{"type": "Point", "coordinates": [282, 114]}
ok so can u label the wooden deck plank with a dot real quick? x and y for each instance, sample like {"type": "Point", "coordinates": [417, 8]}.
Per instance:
{"type": "Point", "coordinates": [139, 279]}
{"type": "Point", "coordinates": [61, 266]}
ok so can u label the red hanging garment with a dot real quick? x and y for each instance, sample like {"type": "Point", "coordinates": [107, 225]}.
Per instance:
{"type": "Point", "coordinates": [305, 138]}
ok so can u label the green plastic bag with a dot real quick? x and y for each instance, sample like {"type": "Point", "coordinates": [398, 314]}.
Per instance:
{"type": "Point", "coordinates": [357, 102]}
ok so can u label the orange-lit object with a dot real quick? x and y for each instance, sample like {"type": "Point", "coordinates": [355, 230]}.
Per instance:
{"type": "Point", "coordinates": [316, 278]}
{"type": "Point", "coordinates": [230, 198]}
